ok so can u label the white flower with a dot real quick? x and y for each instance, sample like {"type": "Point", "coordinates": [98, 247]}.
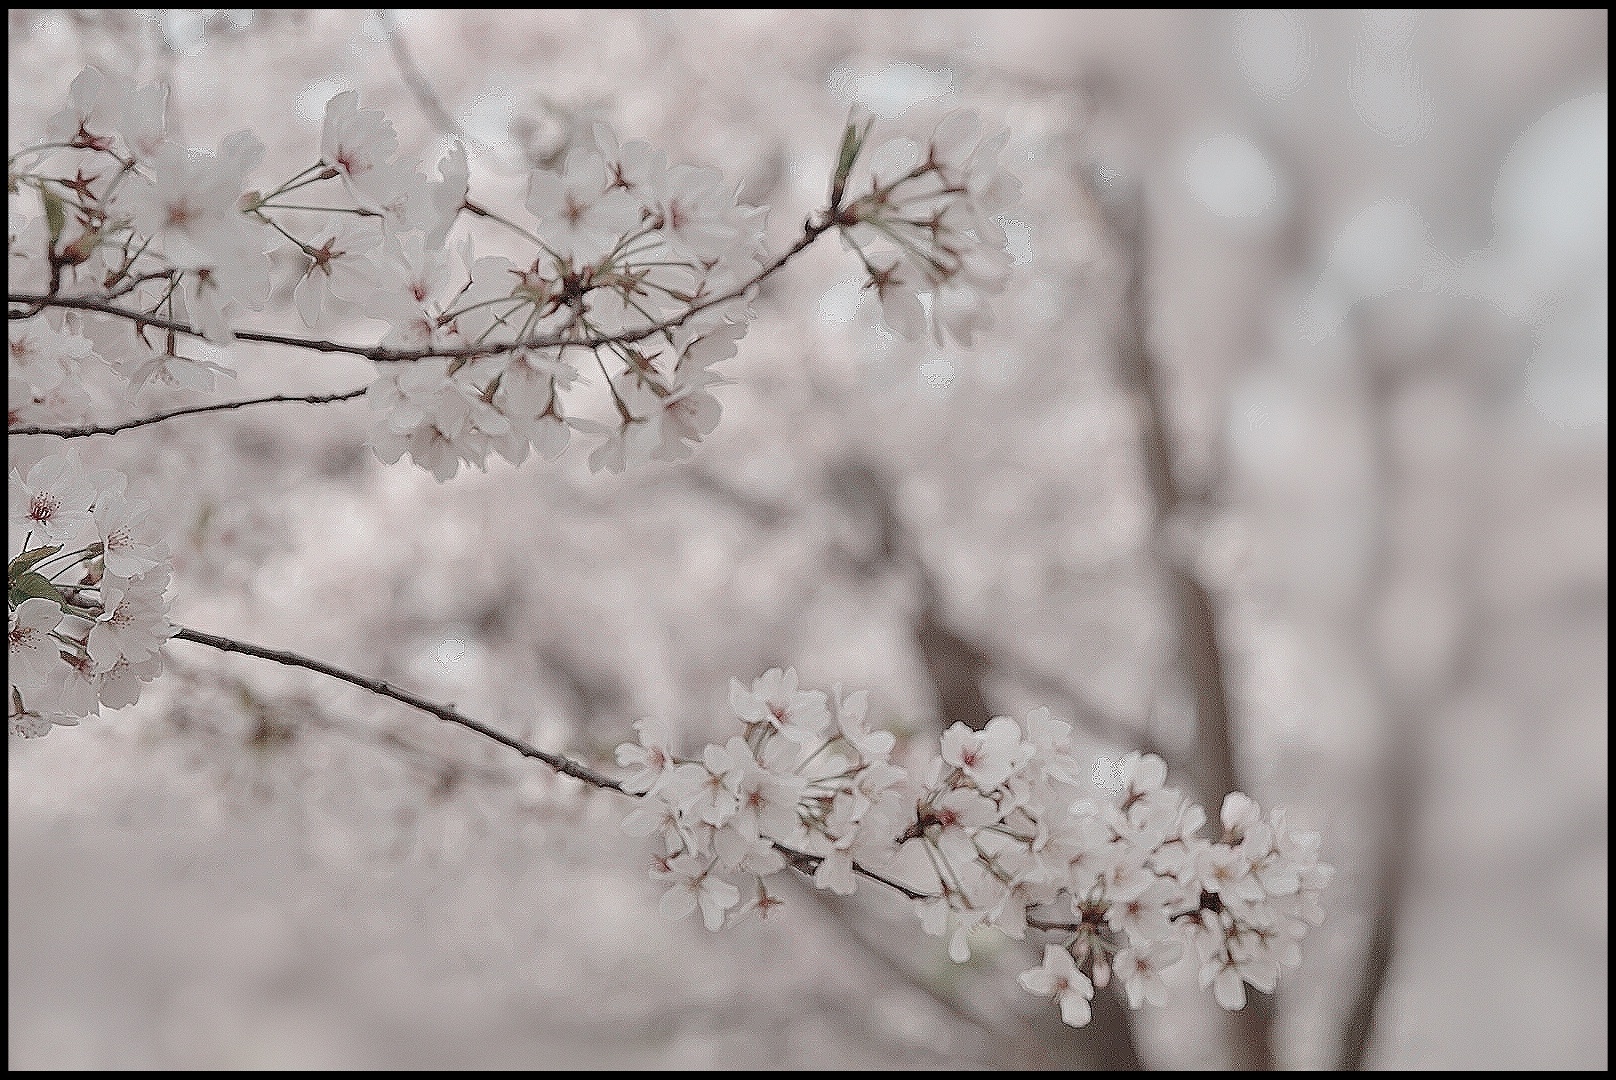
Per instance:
{"type": "Point", "coordinates": [34, 656]}
{"type": "Point", "coordinates": [988, 756]}
{"type": "Point", "coordinates": [716, 801]}
{"type": "Point", "coordinates": [1227, 986]}
{"type": "Point", "coordinates": [54, 502]}
{"type": "Point", "coordinates": [1224, 871]}
{"type": "Point", "coordinates": [925, 228]}
{"type": "Point", "coordinates": [692, 883]}
{"type": "Point", "coordinates": [635, 439]}
{"type": "Point", "coordinates": [1059, 978]}
{"type": "Point", "coordinates": [129, 552]}
{"type": "Point", "coordinates": [359, 144]}
{"type": "Point", "coordinates": [134, 623]}
{"type": "Point", "coordinates": [748, 855]}
{"type": "Point", "coordinates": [439, 419]}
{"type": "Point", "coordinates": [775, 701]}
{"type": "Point", "coordinates": [26, 721]}
{"type": "Point", "coordinates": [850, 712]}
{"type": "Point", "coordinates": [957, 815]}
{"type": "Point", "coordinates": [1239, 813]}
{"type": "Point", "coordinates": [170, 371]}
{"type": "Point", "coordinates": [581, 217]}
{"type": "Point", "coordinates": [835, 872]}
{"type": "Point", "coordinates": [28, 247]}
{"type": "Point", "coordinates": [1140, 910]}
{"type": "Point", "coordinates": [939, 919]}
{"type": "Point", "coordinates": [188, 205]}
{"type": "Point", "coordinates": [45, 356]}
{"type": "Point", "coordinates": [120, 684]}
{"type": "Point", "coordinates": [766, 804]}
{"type": "Point", "coordinates": [651, 759]}
{"type": "Point", "coordinates": [448, 196]}
{"type": "Point", "coordinates": [898, 288]}
{"type": "Point", "coordinates": [103, 106]}
{"type": "Point", "coordinates": [91, 113]}
{"type": "Point", "coordinates": [1143, 773]}
{"type": "Point", "coordinates": [664, 809]}
{"type": "Point", "coordinates": [414, 280]}
{"type": "Point", "coordinates": [1141, 968]}
{"type": "Point", "coordinates": [1051, 742]}
{"type": "Point", "coordinates": [632, 167]}
{"type": "Point", "coordinates": [344, 265]}
{"type": "Point", "coordinates": [694, 215]}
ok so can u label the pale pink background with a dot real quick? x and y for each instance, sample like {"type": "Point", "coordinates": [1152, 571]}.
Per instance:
{"type": "Point", "coordinates": [1378, 285]}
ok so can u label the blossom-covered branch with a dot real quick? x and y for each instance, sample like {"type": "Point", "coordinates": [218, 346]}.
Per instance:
{"type": "Point", "coordinates": [810, 786]}
{"type": "Point", "coordinates": [812, 230]}
{"type": "Point", "coordinates": [642, 270]}
{"type": "Point", "coordinates": [802, 861]}
{"type": "Point", "coordinates": [625, 264]}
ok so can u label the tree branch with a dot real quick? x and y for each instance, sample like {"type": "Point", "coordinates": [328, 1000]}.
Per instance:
{"type": "Point", "coordinates": [812, 230]}
{"type": "Point", "coordinates": [558, 762]}
{"type": "Point", "coordinates": [1121, 214]}
{"type": "Point", "coordinates": [801, 861]}
{"type": "Point", "coordinates": [221, 406]}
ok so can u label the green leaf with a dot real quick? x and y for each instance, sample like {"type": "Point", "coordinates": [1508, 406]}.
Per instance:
{"type": "Point", "coordinates": [27, 559]}
{"type": "Point", "coordinates": [29, 585]}
{"type": "Point", "coordinates": [55, 214]}
{"type": "Point", "coordinates": [853, 137]}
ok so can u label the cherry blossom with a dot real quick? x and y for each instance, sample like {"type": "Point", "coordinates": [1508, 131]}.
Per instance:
{"type": "Point", "coordinates": [922, 221]}
{"type": "Point", "coordinates": [54, 501]}
{"type": "Point", "coordinates": [32, 655]}
{"type": "Point", "coordinates": [359, 145]}
{"type": "Point", "coordinates": [693, 883]}
{"type": "Point", "coordinates": [1059, 978]}
{"type": "Point", "coordinates": [642, 272]}
{"type": "Point", "coordinates": [775, 702]}
{"type": "Point", "coordinates": [581, 215]}
{"type": "Point", "coordinates": [1124, 881]}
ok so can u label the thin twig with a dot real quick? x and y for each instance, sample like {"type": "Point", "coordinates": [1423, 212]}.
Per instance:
{"type": "Point", "coordinates": [220, 406]}
{"type": "Point", "coordinates": [558, 762]}
{"type": "Point", "coordinates": [417, 82]}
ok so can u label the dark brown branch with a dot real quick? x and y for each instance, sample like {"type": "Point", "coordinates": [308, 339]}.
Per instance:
{"type": "Point", "coordinates": [558, 762]}
{"type": "Point", "coordinates": [221, 406]}
{"type": "Point", "coordinates": [1202, 652]}
{"type": "Point", "coordinates": [1405, 773]}
{"type": "Point", "coordinates": [1404, 776]}
{"type": "Point", "coordinates": [958, 669]}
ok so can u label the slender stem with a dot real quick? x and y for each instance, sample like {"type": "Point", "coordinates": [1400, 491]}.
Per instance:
{"type": "Point", "coordinates": [221, 406]}
{"type": "Point", "coordinates": [557, 762]}
{"type": "Point", "coordinates": [484, 212]}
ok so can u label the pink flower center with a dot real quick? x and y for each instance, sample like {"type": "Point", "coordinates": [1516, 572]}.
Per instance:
{"type": "Point", "coordinates": [42, 507]}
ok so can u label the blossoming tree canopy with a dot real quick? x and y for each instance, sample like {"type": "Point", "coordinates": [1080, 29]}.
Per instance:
{"type": "Point", "coordinates": [634, 284]}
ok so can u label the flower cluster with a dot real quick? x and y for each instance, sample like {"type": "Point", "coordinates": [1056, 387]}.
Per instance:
{"type": "Point", "coordinates": [925, 228]}
{"type": "Point", "coordinates": [995, 834]}
{"type": "Point", "coordinates": [86, 578]}
{"type": "Point", "coordinates": [626, 266]}
{"type": "Point", "coordinates": [806, 779]}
